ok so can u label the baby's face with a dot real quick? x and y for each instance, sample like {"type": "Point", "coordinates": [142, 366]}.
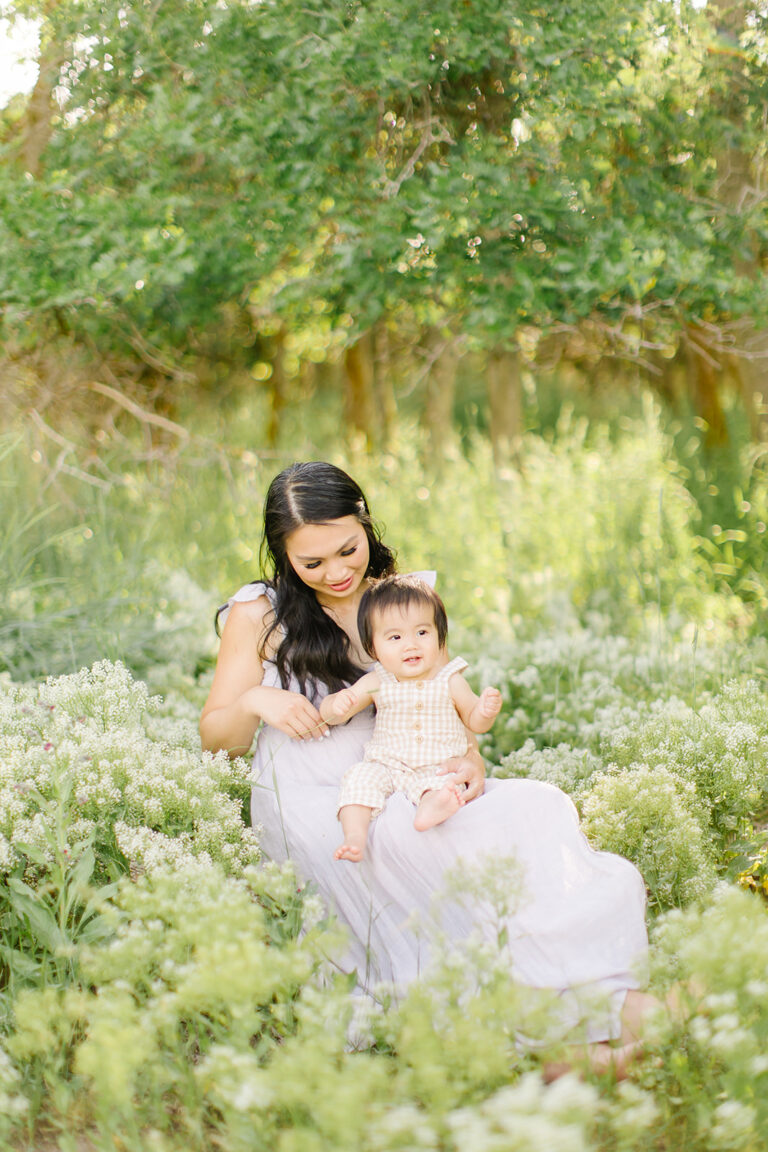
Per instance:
{"type": "Point", "coordinates": [406, 643]}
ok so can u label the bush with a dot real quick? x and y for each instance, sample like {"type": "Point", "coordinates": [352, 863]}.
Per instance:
{"type": "Point", "coordinates": [87, 790]}
{"type": "Point", "coordinates": [717, 1074]}
{"type": "Point", "coordinates": [722, 750]}
{"type": "Point", "coordinates": [649, 815]}
{"type": "Point", "coordinates": [192, 1002]}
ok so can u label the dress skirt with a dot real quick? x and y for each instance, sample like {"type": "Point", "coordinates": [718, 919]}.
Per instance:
{"type": "Point", "coordinates": [574, 917]}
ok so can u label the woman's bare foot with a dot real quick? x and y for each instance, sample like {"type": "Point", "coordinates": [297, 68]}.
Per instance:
{"type": "Point", "coordinates": [352, 849]}
{"type": "Point", "coordinates": [603, 1058]}
{"type": "Point", "coordinates": [436, 806]}
{"type": "Point", "coordinates": [597, 1059]}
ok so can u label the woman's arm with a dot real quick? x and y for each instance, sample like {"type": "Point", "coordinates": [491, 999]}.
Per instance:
{"type": "Point", "coordinates": [238, 701]}
{"type": "Point", "coordinates": [338, 707]}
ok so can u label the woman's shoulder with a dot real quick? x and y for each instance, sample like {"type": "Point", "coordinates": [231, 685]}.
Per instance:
{"type": "Point", "coordinates": [252, 601]}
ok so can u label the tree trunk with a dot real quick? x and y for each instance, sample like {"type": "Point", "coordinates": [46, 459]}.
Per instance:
{"type": "Point", "coordinates": [383, 386]}
{"type": "Point", "coordinates": [505, 403]}
{"type": "Point", "coordinates": [740, 181]}
{"type": "Point", "coordinates": [442, 360]}
{"type": "Point", "coordinates": [359, 402]}
{"type": "Point", "coordinates": [751, 373]}
{"type": "Point", "coordinates": [704, 371]}
{"type": "Point", "coordinates": [277, 390]}
{"type": "Point", "coordinates": [36, 125]}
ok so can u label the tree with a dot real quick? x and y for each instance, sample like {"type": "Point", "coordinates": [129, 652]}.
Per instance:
{"type": "Point", "coordinates": [492, 167]}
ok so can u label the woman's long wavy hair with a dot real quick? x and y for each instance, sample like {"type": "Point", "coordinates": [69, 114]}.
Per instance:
{"type": "Point", "coordinates": [311, 645]}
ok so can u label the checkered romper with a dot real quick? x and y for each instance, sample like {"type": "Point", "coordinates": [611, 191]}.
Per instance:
{"type": "Point", "coordinates": [417, 729]}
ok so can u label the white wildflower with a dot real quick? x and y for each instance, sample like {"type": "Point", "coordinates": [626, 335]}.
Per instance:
{"type": "Point", "coordinates": [733, 1125]}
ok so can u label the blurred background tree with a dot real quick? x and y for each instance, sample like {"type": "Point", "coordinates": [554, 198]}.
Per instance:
{"type": "Point", "coordinates": [358, 200]}
{"type": "Point", "coordinates": [411, 239]}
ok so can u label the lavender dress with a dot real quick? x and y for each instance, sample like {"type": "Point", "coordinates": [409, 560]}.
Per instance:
{"type": "Point", "coordinates": [578, 927]}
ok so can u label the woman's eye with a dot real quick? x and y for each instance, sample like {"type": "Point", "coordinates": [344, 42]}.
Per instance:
{"type": "Point", "coordinates": [313, 564]}
{"type": "Point", "coordinates": [349, 551]}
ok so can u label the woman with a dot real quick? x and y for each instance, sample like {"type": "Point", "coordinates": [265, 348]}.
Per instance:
{"type": "Point", "coordinates": [579, 927]}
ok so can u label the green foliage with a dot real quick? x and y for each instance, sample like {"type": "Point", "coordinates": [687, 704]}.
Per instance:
{"type": "Point", "coordinates": [594, 528]}
{"type": "Point", "coordinates": [722, 750]}
{"type": "Point", "coordinates": [155, 997]}
{"type": "Point", "coordinates": [492, 162]}
{"type": "Point", "coordinates": [84, 574]}
{"type": "Point", "coordinates": [95, 778]}
{"type": "Point", "coordinates": [649, 815]}
{"type": "Point", "coordinates": [161, 991]}
{"type": "Point", "coordinates": [730, 488]}
{"type": "Point", "coordinates": [119, 1023]}
{"type": "Point", "coordinates": [720, 1059]}
{"type": "Point", "coordinates": [630, 540]}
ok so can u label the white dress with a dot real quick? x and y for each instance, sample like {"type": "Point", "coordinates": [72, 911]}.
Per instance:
{"type": "Point", "coordinates": [579, 928]}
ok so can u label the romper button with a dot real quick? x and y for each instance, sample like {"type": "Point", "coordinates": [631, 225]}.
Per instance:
{"type": "Point", "coordinates": [419, 739]}
{"type": "Point", "coordinates": [420, 684]}
{"type": "Point", "coordinates": [419, 705]}
{"type": "Point", "coordinates": [416, 726]}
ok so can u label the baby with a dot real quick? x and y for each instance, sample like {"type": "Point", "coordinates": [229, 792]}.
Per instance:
{"type": "Point", "coordinates": [423, 708]}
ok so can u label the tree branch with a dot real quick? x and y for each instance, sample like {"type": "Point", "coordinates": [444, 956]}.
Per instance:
{"type": "Point", "coordinates": [428, 137]}
{"type": "Point", "coordinates": [138, 412]}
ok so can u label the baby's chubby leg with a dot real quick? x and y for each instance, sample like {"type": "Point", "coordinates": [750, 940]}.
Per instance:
{"type": "Point", "coordinates": [355, 820]}
{"type": "Point", "coordinates": [363, 793]}
{"type": "Point", "coordinates": [437, 804]}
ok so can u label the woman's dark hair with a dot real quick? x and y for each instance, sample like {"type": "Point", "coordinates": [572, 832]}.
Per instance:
{"type": "Point", "coordinates": [311, 645]}
{"type": "Point", "coordinates": [398, 592]}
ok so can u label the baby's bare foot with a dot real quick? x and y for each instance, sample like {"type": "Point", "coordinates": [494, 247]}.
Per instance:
{"type": "Point", "coordinates": [351, 849]}
{"type": "Point", "coordinates": [436, 806]}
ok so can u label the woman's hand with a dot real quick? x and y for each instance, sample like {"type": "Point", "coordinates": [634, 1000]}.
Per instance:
{"type": "Point", "coordinates": [291, 712]}
{"type": "Point", "coordinates": [469, 770]}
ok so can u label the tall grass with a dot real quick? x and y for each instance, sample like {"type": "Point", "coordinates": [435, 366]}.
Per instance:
{"type": "Point", "coordinates": [127, 560]}
{"type": "Point", "coordinates": [160, 991]}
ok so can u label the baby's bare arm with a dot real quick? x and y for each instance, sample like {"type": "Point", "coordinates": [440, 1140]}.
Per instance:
{"type": "Point", "coordinates": [477, 712]}
{"type": "Point", "coordinates": [341, 706]}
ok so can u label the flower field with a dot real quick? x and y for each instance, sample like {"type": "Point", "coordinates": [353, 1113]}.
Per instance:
{"type": "Point", "coordinates": [166, 988]}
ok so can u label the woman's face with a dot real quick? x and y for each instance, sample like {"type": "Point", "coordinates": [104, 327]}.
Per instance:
{"type": "Point", "coordinates": [330, 558]}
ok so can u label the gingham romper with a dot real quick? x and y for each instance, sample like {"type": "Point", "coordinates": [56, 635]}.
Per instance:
{"type": "Point", "coordinates": [417, 729]}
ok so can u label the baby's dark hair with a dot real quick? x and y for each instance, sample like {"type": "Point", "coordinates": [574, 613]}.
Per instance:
{"type": "Point", "coordinates": [398, 592]}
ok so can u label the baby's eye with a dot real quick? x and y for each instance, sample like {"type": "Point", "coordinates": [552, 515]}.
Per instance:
{"type": "Point", "coordinates": [395, 636]}
{"type": "Point", "coordinates": [423, 632]}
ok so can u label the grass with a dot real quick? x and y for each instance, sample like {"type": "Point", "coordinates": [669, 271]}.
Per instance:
{"type": "Point", "coordinates": [626, 628]}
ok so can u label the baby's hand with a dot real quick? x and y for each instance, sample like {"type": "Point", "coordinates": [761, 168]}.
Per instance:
{"type": "Point", "coordinates": [490, 703]}
{"type": "Point", "coordinates": [344, 702]}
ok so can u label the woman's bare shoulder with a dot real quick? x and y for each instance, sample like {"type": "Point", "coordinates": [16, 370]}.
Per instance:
{"type": "Point", "coordinates": [248, 617]}
{"type": "Point", "coordinates": [254, 611]}
{"type": "Point", "coordinates": [239, 665]}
